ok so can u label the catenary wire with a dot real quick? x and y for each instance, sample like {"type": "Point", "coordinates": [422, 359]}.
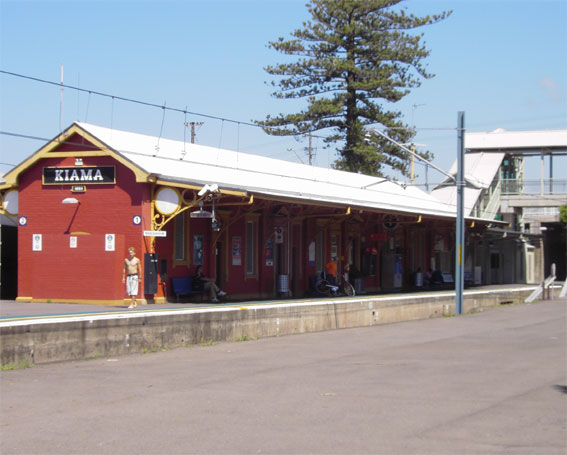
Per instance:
{"type": "Point", "coordinates": [183, 111]}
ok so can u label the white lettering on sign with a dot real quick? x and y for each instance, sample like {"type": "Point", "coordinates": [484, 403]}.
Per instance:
{"type": "Point", "coordinates": [71, 175]}
{"type": "Point", "coordinates": [86, 174]}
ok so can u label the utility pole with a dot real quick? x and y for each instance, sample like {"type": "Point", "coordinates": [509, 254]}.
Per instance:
{"type": "Point", "coordinates": [413, 108]}
{"type": "Point", "coordinates": [193, 124]}
{"type": "Point", "coordinates": [412, 162]}
{"type": "Point", "coordinates": [412, 174]}
{"type": "Point", "coordinates": [310, 148]}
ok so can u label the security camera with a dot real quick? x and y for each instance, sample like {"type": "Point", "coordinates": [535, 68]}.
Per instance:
{"type": "Point", "coordinates": [208, 189]}
{"type": "Point", "coordinates": [216, 225]}
{"type": "Point", "coordinates": [203, 190]}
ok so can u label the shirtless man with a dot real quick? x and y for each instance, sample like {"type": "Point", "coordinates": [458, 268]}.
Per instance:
{"type": "Point", "coordinates": [131, 275]}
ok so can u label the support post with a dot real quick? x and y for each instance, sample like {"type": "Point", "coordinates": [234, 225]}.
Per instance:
{"type": "Point", "coordinates": [460, 228]}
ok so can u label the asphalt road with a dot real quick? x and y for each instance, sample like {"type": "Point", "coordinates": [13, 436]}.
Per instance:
{"type": "Point", "coordinates": [486, 383]}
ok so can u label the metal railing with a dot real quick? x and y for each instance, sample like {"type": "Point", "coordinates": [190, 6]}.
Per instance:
{"type": "Point", "coordinates": [533, 187]}
{"type": "Point", "coordinates": [545, 288]}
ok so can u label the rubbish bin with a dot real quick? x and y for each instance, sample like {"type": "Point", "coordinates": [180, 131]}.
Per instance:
{"type": "Point", "coordinates": [419, 279]}
{"type": "Point", "coordinates": [283, 283]}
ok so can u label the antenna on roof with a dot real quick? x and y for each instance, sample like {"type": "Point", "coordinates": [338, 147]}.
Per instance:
{"type": "Point", "coordinates": [193, 124]}
{"type": "Point", "coordinates": [193, 134]}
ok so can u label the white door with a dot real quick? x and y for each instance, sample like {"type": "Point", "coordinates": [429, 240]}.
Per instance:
{"type": "Point", "coordinates": [530, 267]}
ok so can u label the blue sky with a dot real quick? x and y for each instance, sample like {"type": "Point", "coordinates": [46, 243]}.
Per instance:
{"type": "Point", "coordinates": [504, 63]}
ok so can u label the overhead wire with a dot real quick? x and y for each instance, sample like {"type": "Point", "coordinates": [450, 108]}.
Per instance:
{"type": "Point", "coordinates": [130, 100]}
{"type": "Point", "coordinates": [184, 111]}
{"type": "Point", "coordinates": [164, 108]}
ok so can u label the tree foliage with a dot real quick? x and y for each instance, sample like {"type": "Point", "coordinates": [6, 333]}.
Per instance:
{"type": "Point", "coordinates": [350, 63]}
{"type": "Point", "coordinates": [563, 214]}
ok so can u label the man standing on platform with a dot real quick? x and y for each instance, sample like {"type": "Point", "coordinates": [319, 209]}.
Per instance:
{"type": "Point", "coordinates": [131, 275]}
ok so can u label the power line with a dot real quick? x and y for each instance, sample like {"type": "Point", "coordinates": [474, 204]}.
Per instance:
{"type": "Point", "coordinates": [130, 100]}
{"type": "Point", "coordinates": [184, 111]}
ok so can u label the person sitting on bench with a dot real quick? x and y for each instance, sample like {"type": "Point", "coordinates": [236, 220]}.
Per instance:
{"type": "Point", "coordinates": [201, 282]}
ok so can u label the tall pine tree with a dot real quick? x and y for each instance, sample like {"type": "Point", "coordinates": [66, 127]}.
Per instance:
{"type": "Point", "coordinates": [351, 61]}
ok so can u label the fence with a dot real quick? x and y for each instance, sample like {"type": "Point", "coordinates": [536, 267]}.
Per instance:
{"type": "Point", "coordinates": [534, 187]}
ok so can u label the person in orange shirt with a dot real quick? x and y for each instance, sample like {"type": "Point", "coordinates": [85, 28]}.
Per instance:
{"type": "Point", "coordinates": [331, 268]}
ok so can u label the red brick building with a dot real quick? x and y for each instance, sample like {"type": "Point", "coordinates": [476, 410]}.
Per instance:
{"type": "Point", "coordinates": [261, 227]}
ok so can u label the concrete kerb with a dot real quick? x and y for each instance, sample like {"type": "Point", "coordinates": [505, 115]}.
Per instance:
{"type": "Point", "coordinates": [76, 337]}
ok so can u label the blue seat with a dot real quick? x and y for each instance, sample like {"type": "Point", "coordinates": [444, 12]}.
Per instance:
{"type": "Point", "coordinates": [184, 286]}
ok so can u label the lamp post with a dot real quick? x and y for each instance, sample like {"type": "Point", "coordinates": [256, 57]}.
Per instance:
{"type": "Point", "coordinates": [460, 229]}
{"type": "Point", "coordinates": [460, 222]}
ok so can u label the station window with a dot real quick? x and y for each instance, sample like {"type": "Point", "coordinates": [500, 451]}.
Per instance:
{"type": "Point", "coordinates": [180, 256]}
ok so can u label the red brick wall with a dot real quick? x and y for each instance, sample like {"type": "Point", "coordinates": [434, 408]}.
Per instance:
{"type": "Point", "coordinates": [87, 272]}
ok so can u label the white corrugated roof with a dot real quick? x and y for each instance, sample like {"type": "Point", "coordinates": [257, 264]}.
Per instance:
{"type": "Point", "coordinates": [264, 176]}
{"type": "Point", "coordinates": [480, 170]}
{"type": "Point", "coordinates": [448, 195]}
{"type": "Point", "coordinates": [527, 140]}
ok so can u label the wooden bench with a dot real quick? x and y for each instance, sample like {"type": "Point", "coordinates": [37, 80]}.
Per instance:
{"type": "Point", "coordinates": [184, 286]}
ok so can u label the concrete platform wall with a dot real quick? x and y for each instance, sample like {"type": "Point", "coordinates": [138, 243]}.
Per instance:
{"type": "Point", "coordinates": [94, 336]}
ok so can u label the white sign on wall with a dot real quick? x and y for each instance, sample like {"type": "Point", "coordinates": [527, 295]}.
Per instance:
{"type": "Point", "coordinates": [73, 241]}
{"type": "Point", "coordinates": [155, 233]}
{"type": "Point", "coordinates": [109, 242]}
{"type": "Point", "coordinates": [37, 242]}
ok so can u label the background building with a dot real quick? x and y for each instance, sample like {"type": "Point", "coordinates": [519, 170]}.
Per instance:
{"type": "Point", "coordinates": [519, 177]}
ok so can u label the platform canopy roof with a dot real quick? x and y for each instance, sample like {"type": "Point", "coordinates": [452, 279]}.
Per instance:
{"type": "Point", "coordinates": [177, 163]}
{"type": "Point", "coordinates": [518, 142]}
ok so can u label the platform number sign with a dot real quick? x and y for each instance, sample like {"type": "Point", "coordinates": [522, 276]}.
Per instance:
{"type": "Point", "coordinates": [136, 220]}
{"type": "Point", "coordinates": [23, 220]}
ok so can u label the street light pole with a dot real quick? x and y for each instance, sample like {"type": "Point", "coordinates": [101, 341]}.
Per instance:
{"type": "Point", "coordinates": [460, 229]}
{"type": "Point", "coordinates": [460, 183]}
